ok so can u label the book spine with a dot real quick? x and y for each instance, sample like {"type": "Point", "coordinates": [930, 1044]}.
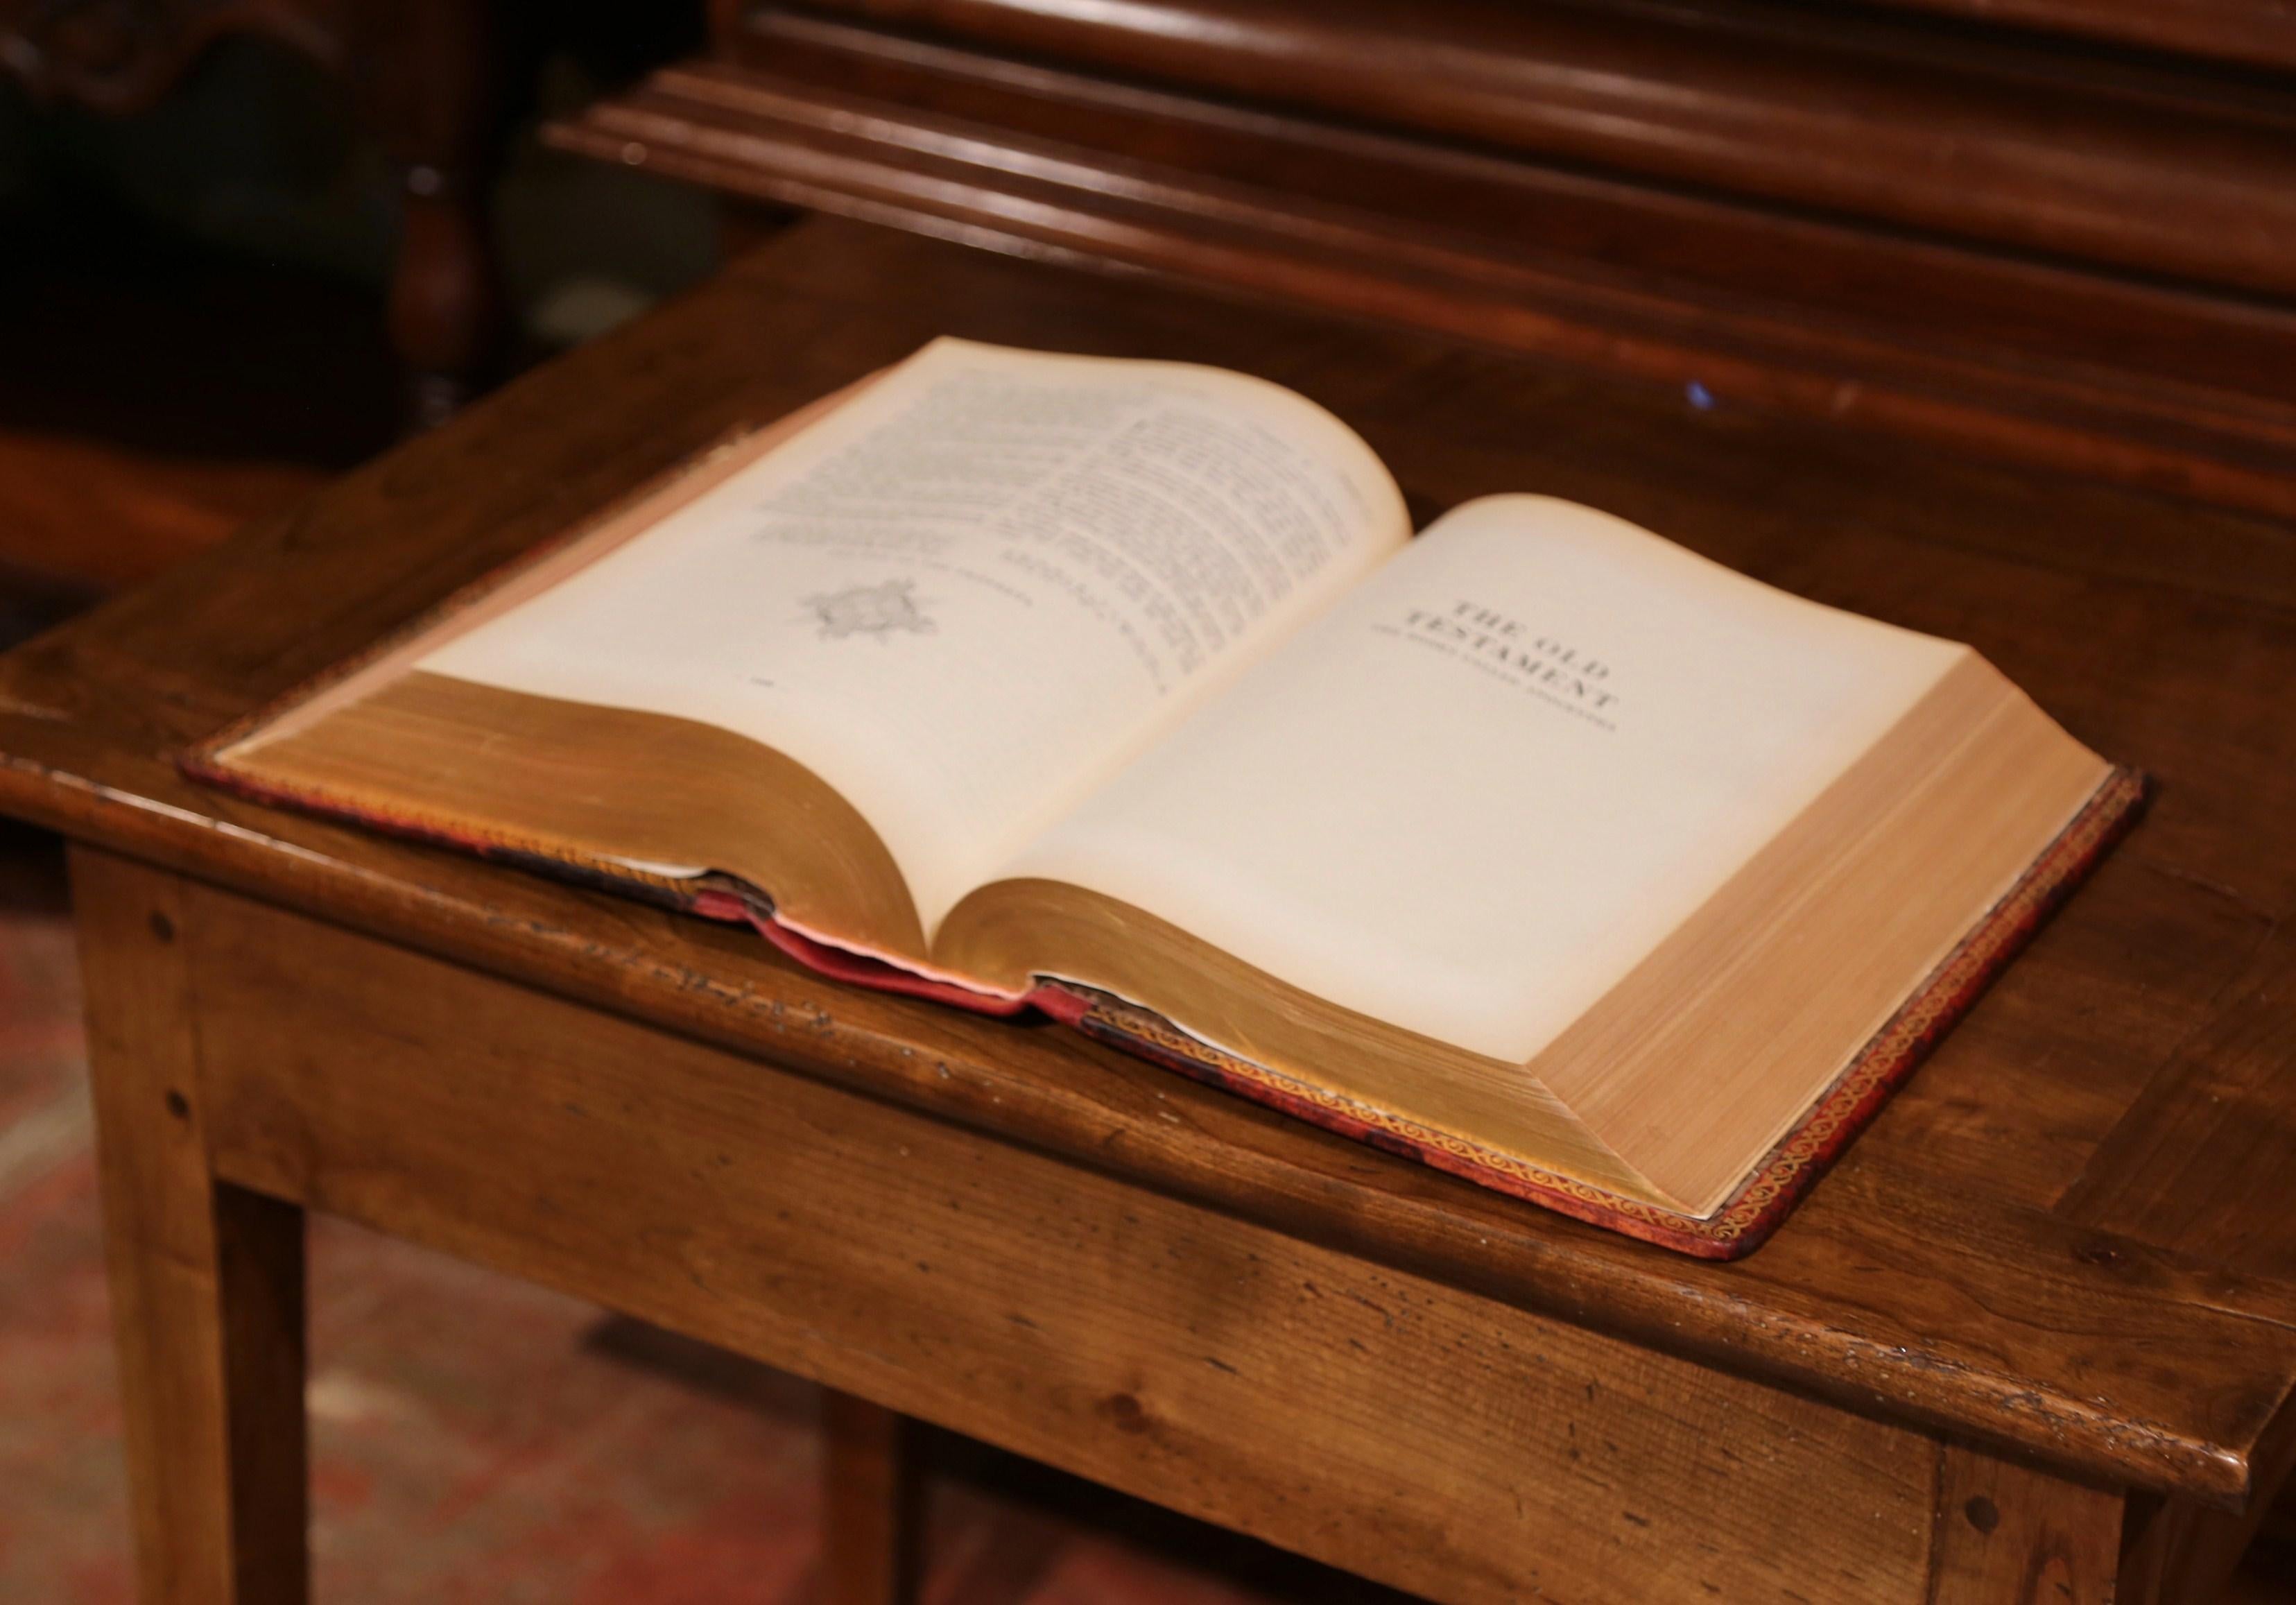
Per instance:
{"type": "Point", "coordinates": [853, 970]}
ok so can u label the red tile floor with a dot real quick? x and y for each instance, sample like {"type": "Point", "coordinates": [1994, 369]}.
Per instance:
{"type": "Point", "coordinates": [478, 1440]}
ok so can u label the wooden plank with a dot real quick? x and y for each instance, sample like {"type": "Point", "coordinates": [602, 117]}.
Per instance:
{"type": "Point", "coordinates": [2007, 1534]}
{"type": "Point", "coordinates": [2207, 1145]}
{"type": "Point", "coordinates": [2095, 1012]}
{"type": "Point", "coordinates": [2199, 1158]}
{"type": "Point", "coordinates": [1372, 1419]}
{"type": "Point", "coordinates": [207, 1282]}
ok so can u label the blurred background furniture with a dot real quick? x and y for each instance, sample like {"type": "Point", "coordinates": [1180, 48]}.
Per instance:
{"type": "Point", "coordinates": [2062, 232]}
{"type": "Point", "coordinates": [242, 246]}
{"type": "Point", "coordinates": [429, 77]}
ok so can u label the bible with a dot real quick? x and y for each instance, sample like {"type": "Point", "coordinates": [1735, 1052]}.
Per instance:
{"type": "Point", "coordinates": [1531, 845]}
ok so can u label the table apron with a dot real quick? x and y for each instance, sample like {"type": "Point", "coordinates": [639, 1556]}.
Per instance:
{"type": "Point", "coordinates": [1396, 1426]}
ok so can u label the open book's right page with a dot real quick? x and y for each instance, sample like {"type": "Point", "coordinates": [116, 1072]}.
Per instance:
{"type": "Point", "coordinates": [1638, 832]}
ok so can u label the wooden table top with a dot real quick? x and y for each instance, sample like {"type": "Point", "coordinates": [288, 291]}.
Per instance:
{"type": "Point", "coordinates": [2070, 1237]}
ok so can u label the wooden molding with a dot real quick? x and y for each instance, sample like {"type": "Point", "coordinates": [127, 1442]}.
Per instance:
{"type": "Point", "coordinates": [1988, 352]}
{"type": "Point", "coordinates": [2150, 170]}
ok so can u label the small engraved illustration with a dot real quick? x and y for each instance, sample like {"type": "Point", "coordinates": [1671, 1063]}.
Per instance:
{"type": "Point", "coordinates": [880, 610]}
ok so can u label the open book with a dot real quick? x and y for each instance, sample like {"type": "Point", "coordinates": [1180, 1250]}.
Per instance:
{"type": "Point", "coordinates": [1535, 847]}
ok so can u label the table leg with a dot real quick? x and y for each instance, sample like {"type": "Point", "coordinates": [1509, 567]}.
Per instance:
{"type": "Point", "coordinates": [207, 1279]}
{"type": "Point", "coordinates": [2177, 1554]}
{"type": "Point", "coordinates": [872, 1513]}
{"type": "Point", "coordinates": [2007, 1534]}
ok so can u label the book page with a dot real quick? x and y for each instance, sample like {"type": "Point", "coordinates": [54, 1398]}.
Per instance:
{"type": "Point", "coordinates": [967, 596]}
{"type": "Point", "coordinates": [1473, 795]}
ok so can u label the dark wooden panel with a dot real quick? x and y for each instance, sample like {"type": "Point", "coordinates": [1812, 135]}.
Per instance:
{"type": "Point", "coordinates": [1634, 236]}
{"type": "Point", "coordinates": [1961, 135]}
{"type": "Point", "coordinates": [1994, 353]}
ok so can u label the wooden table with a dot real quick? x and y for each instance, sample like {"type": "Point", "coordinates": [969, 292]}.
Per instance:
{"type": "Point", "coordinates": [2030, 1339]}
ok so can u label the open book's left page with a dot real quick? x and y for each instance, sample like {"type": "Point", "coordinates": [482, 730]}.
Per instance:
{"type": "Point", "coordinates": [863, 668]}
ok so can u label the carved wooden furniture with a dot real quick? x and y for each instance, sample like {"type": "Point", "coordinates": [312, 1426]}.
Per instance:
{"type": "Point", "coordinates": [425, 73]}
{"type": "Point", "coordinates": [2057, 231]}
{"type": "Point", "coordinates": [2035, 1339]}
